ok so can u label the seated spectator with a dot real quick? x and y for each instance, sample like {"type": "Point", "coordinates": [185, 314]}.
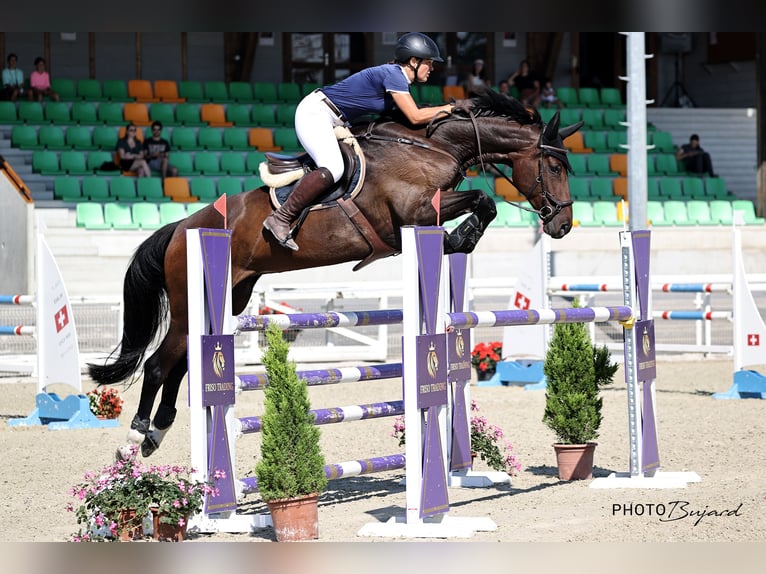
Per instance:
{"type": "Point", "coordinates": [548, 96]}
{"type": "Point", "coordinates": [504, 88]}
{"type": "Point", "coordinates": [157, 150]}
{"type": "Point", "coordinates": [40, 83]}
{"type": "Point", "coordinates": [694, 158]}
{"type": "Point", "coordinates": [477, 81]}
{"type": "Point", "coordinates": [131, 153]}
{"type": "Point", "coordinates": [527, 83]}
{"type": "Point", "coordinates": [13, 80]}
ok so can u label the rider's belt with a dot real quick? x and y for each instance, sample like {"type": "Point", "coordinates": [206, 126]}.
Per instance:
{"type": "Point", "coordinates": [332, 107]}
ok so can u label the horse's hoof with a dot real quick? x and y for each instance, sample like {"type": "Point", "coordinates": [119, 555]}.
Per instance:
{"type": "Point", "coordinates": [149, 446]}
{"type": "Point", "coordinates": [125, 452]}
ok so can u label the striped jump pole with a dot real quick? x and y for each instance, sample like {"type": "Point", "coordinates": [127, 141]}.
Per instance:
{"type": "Point", "coordinates": [17, 330]}
{"type": "Point", "coordinates": [319, 320]}
{"type": "Point", "coordinates": [314, 377]}
{"type": "Point", "coordinates": [17, 299]}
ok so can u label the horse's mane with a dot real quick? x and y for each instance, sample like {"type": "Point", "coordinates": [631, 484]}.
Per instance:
{"type": "Point", "coordinates": [492, 103]}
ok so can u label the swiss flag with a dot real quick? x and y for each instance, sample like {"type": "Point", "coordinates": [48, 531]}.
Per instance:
{"type": "Point", "coordinates": [753, 340]}
{"type": "Point", "coordinates": [61, 318]}
{"type": "Point", "coordinates": [521, 301]}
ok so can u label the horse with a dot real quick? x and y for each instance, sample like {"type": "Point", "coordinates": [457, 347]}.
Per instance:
{"type": "Point", "coordinates": [405, 166]}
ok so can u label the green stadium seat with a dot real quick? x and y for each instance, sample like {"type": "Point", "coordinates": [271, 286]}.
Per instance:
{"type": "Point", "coordinates": [73, 162]}
{"type": "Point", "coordinates": [116, 91]}
{"type": "Point", "coordinates": [58, 113]}
{"type": "Point", "coordinates": [612, 98]}
{"type": "Point", "coordinates": [188, 115]}
{"type": "Point", "coordinates": [613, 119]}
{"type": "Point", "coordinates": [547, 114]}
{"type": "Point", "coordinates": [579, 188]}
{"type": "Point", "coordinates": [216, 91]}
{"type": "Point", "coordinates": [90, 90]}
{"type": "Point", "coordinates": [693, 187]}
{"type": "Point", "coordinates": [596, 140]}
{"type": "Point", "coordinates": [579, 164]}
{"type": "Point", "coordinates": [748, 211]}
{"type": "Point", "coordinates": [286, 115]}
{"type": "Point", "coordinates": [229, 186]}
{"type": "Point", "coordinates": [655, 213]}
{"type": "Point", "coordinates": [52, 137]}
{"type": "Point", "coordinates": [253, 159]}
{"type": "Point", "coordinates": [593, 119]}
{"type": "Point", "coordinates": [568, 96]}
{"type": "Point", "coordinates": [162, 112]}
{"type": "Point", "coordinates": [207, 163]}
{"type": "Point", "coordinates": [675, 212]}
{"type": "Point", "coordinates": [25, 137]}
{"type": "Point", "coordinates": [119, 216]}
{"type": "Point", "coordinates": [605, 213]}
{"type": "Point", "coordinates": [653, 188]}
{"type": "Point", "coordinates": [507, 215]}
{"type": "Point", "coordinates": [96, 188]}
{"type": "Point", "coordinates": [235, 139]}
{"type": "Point", "coordinates": [211, 139]}
{"type": "Point", "coordinates": [123, 188]}
{"type": "Point", "coordinates": [239, 115]}
{"type": "Point", "coordinates": [110, 113]}
{"type": "Point", "coordinates": [204, 188]}
{"type": "Point", "coordinates": [184, 162]}
{"type": "Point", "coordinates": [233, 163]}
{"type": "Point", "coordinates": [431, 94]}
{"type": "Point", "coordinates": [184, 139]}
{"type": "Point", "coordinates": [31, 112]}
{"type": "Point", "coordinates": [263, 115]}
{"type": "Point", "coordinates": [105, 137]}
{"type": "Point", "coordinates": [192, 91]}
{"type": "Point", "coordinates": [670, 188]}
{"type": "Point", "coordinates": [287, 139]}
{"type": "Point", "coordinates": [721, 211]}
{"type": "Point", "coordinates": [95, 160]}
{"type": "Point", "coordinates": [571, 116]}
{"type": "Point", "coordinates": [663, 142]}
{"type": "Point", "coordinates": [602, 188]}
{"type": "Point", "coordinates": [289, 92]}
{"type": "Point", "coordinates": [171, 212]}
{"type": "Point", "coordinates": [616, 140]}
{"type": "Point", "coordinates": [79, 137]}
{"type": "Point", "coordinates": [651, 165]}
{"type": "Point", "coordinates": [67, 188]}
{"type": "Point", "coordinates": [85, 113]}
{"type": "Point", "coordinates": [8, 114]}
{"type": "Point", "coordinates": [146, 215]}
{"type": "Point", "coordinates": [598, 164]}
{"type": "Point", "coordinates": [265, 92]}
{"type": "Point", "coordinates": [65, 88]}
{"type": "Point", "coordinates": [193, 208]}
{"type": "Point", "coordinates": [715, 188]}
{"type": "Point", "coordinates": [241, 92]}
{"type": "Point", "coordinates": [589, 97]}
{"type": "Point", "coordinates": [308, 87]}
{"type": "Point", "coordinates": [150, 189]}
{"type": "Point", "coordinates": [582, 213]}
{"type": "Point", "coordinates": [698, 211]}
{"type": "Point", "coordinates": [667, 164]}
{"type": "Point", "coordinates": [90, 216]}
{"type": "Point", "coordinates": [46, 162]}
{"type": "Point", "coordinates": [252, 182]}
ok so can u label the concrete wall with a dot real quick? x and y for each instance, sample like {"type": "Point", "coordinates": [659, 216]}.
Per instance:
{"type": "Point", "coordinates": [16, 244]}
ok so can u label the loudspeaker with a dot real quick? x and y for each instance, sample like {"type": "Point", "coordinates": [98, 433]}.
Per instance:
{"type": "Point", "coordinates": [676, 43]}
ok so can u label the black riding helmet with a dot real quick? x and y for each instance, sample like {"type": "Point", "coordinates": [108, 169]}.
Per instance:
{"type": "Point", "coordinates": [416, 45]}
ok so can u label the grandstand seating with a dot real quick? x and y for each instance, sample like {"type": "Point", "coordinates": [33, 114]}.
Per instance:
{"type": "Point", "coordinates": [167, 91]}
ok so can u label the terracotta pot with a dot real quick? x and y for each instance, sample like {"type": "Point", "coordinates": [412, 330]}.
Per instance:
{"type": "Point", "coordinates": [484, 375]}
{"type": "Point", "coordinates": [166, 532]}
{"type": "Point", "coordinates": [575, 461]}
{"type": "Point", "coordinates": [295, 518]}
{"type": "Point", "coordinates": [129, 527]}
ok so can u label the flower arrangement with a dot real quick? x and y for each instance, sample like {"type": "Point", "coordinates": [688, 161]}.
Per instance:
{"type": "Point", "coordinates": [129, 485]}
{"type": "Point", "coordinates": [485, 356]}
{"type": "Point", "coordinates": [105, 402]}
{"type": "Point", "coordinates": [485, 442]}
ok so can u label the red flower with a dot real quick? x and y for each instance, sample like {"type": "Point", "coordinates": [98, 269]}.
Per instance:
{"type": "Point", "coordinates": [486, 355]}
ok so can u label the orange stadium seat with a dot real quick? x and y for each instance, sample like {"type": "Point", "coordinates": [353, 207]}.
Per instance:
{"type": "Point", "coordinates": [136, 112]}
{"type": "Point", "coordinates": [177, 188]}
{"type": "Point", "coordinates": [167, 91]}
{"type": "Point", "coordinates": [214, 115]}
{"type": "Point", "coordinates": [576, 143]}
{"type": "Point", "coordinates": [263, 139]}
{"type": "Point", "coordinates": [141, 90]}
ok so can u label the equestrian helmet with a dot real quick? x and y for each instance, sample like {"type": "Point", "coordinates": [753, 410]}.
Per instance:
{"type": "Point", "coordinates": [416, 45]}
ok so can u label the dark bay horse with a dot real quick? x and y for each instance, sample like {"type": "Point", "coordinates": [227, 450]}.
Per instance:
{"type": "Point", "coordinates": [404, 168]}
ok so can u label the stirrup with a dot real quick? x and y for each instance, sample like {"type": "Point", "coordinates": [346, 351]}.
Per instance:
{"type": "Point", "coordinates": [287, 241]}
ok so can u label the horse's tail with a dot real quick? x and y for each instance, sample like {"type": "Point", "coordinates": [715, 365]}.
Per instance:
{"type": "Point", "coordinates": [145, 307]}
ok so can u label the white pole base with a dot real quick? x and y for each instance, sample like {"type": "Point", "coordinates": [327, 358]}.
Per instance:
{"type": "Point", "coordinates": [474, 479]}
{"type": "Point", "coordinates": [233, 524]}
{"type": "Point", "coordinates": [447, 527]}
{"type": "Point", "coordinates": [659, 480]}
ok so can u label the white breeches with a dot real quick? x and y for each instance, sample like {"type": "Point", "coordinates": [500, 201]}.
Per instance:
{"type": "Point", "coordinates": [314, 125]}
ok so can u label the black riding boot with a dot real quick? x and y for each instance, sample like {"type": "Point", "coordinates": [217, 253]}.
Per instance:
{"type": "Point", "coordinates": [309, 188]}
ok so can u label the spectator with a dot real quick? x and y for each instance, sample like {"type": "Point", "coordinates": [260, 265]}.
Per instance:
{"type": "Point", "coordinates": [548, 96]}
{"type": "Point", "coordinates": [527, 83]}
{"type": "Point", "coordinates": [13, 80]}
{"type": "Point", "coordinates": [694, 158]}
{"type": "Point", "coordinates": [157, 150]}
{"type": "Point", "coordinates": [504, 88]}
{"type": "Point", "coordinates": [477, 81]}
{"type": "Point", "coordinates": [40, 83]}
{"type": "Point", "coordinates": [131, 153]}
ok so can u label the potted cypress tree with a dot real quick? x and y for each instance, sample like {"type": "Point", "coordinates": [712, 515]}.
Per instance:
{"type": "Point", "coordinates": [575, 370]}
{"type": "Point", "coordinates": [291, 470]}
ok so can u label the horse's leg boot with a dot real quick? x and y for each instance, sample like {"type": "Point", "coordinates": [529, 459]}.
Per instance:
{"type": "Point", "coordinates": [309, 188]}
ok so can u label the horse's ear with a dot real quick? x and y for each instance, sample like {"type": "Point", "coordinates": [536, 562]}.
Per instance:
{"type": "Point", "coordinates": [569, 130]}
{"type": "Point", "coordinates": [552, 129]}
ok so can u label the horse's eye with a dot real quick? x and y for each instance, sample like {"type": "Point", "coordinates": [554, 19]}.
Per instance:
{"type": "Point", "coordinates": [555, 169]}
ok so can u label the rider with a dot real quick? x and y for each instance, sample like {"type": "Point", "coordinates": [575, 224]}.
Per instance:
{"type": "Point", "coordinates": [373, 90]}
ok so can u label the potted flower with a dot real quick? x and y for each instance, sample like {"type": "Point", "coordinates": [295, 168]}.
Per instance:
{"type": "Point", "coordinates": [484, 358]}
{"type": "Point", "coordinates": [575, 371]}
{"type": "Point", "coordinates": [291, 470]}
{"type": "Point", "coordinates": [485, 442]}
{"type": "Point", "coordinates": [105, 402]}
